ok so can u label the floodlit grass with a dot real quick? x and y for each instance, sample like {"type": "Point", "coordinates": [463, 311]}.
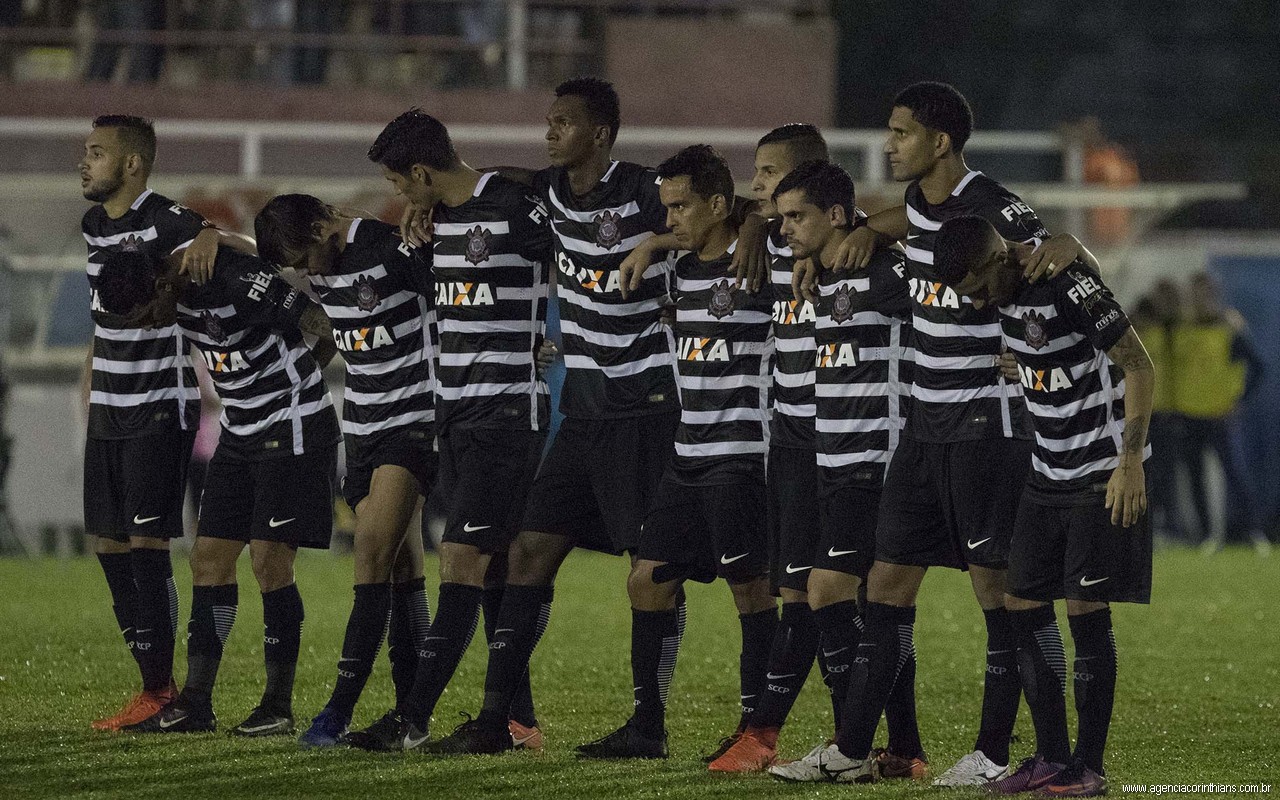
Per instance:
{"type": "Point", "coordinates": [1197, 699]}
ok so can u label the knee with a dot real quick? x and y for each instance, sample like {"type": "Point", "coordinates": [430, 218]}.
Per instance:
{"type": "Point", "coordinates": [645, 594]}
{"type": "Point", "coordinates": [753, 596]}
{"type": "Point", "coordinates": [827, 588]}
{"type": "Point", "coordinates": [273, 570]}
{"type": "Point", "coordinates": [529, 564]}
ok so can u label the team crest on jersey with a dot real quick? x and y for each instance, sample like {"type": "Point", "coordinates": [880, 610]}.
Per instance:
{"type": "Point", "coordinates": [477, 245]}
{"type": "Point", "coordinates": [131, 244]}
{"type": "Point", "coordinates": [1035, 334]}
{"type": "Point", "coordinates": [608, 229]}
{"type": "Point", "coordinates": [841, 305]}
{"type": "Point", "coordinates": [213, 326]}
{"type": "Point", "coordinates": [721, 304]}
{"type": "Point", "coordinates": [366, 293]}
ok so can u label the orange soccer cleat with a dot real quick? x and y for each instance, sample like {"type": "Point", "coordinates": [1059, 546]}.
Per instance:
{"type": "Point", "coordinates": [144, 705]}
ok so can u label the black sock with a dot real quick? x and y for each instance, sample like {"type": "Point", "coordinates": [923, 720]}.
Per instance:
{"type": "Point", "coordinates": [366, 628]}
{"type": "Point", "coordinates": [841, 628]}
{"type": "Point", "coordinates": [1001, 690]}
{"type": "Point", "coordinates": [118, 569]}
{"type": "Point", "coordinates": [900, 708]}
{"type": "Point", "coordinates": [155, 617]}
{"type": "Point", "coordinates": [655, 643]}
{"type": "Point", "coordinates": [885, 648]}
{"type": "Point", "coordinates": [795, 644]}
{"type": "Point", "coordinates": [213, 612]}
{"type": "Point", "coordinates": [450, 634]}
{"type": "Point", "coordinates": [758, 630]}
{"type": "Point", "coordinates": [1095, 683]}
{"type": "Point", "coordinates": [525, 610]}
{"type": "Point", "coordinates": [281, 640]}
{"type": "Point", "coordinates": [410, 620]}
{"type": "Point", "coordinates": [1042, 667]}
{"type": "Point", "coordinates": [522, 696]}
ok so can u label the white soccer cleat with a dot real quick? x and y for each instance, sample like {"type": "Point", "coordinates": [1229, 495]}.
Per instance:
{"type": "Point", "coordinates": [974, 769]}
{"type": "Point", "coordinates": [826, 765]}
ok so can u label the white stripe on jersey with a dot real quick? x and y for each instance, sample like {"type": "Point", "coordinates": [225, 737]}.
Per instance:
{"type": "Point", "coordinates": [921, 221]}
{"type": "Point", "coordinates": [125, 400]}
{"type": "Point", "coordinates": [505, 357]}
{"type": "Point", "coordinates": [743, 317]}
{"type": "Point", "coordinates": [916, 254]}
{"type": "Point", "coordinates": [462, 228]}
{"type": "Point", "coordinates": [494, 326]}
{"type": "Point", "coordinates": [346, 281]}
{"type": "Point", "coordinates": [793, 410]}
{"type": "Point", "coordinates": [946, 329]}
{"type": "Point", "coordinates": [385, 304]}
{"type": "Point", "coordinates": [860, 457]}
{"type": "Point", "coordinates": [721, 382]}
{"type": "Point", "coordinates": [440, 261]}
{"type": "Point", "coordinates": [383, 367]}
{"type": "Point", "coordinates": [955, 395]}
{"type": "Point", "coordinates": [620, 370]}
{"type": "Point", "coordinates": [116, 238]}
{"type": "Point", "coordinates": [852, 389]}
{"type": "Point", "coordinates": [136, 367]}
{"type": "Point", "coordinates": [136, 334]}
{"type": "Point", "coordinates": [611, 309]}
{"type": "Point", "coordinates": [264, 399]}
{"type": "Point", "coordinates": [571, 328]}
{"type": "Point", "coordinates": [720, 415]}
{"type": "Point", "coordinates": [409, 326]}
{"type": "Point", "coordinates": [721, 448]}
{"type": "Point", "coordinates": [1053, 346]}
{"type": "Point", "coordinates": [800, 344]}
{"type": "Point", "coordinates": [628, 209]}
{"type": "Point", "coordinates": [400, 420]}
{"type": "Point", "coordinates": [392, 396]}
{"type": "Point", "coordinates": [484, 390]}
{"type": "Point", "coordinates": [789, 381]}
{"type": "Point", "coordinates": [259, 425]}
{"type": "Point", "coordinates": [954, 362]}
{"type": "Point", "coordinates": [593, 249]}
{"type": "Point", "coordinates": [855, 425]}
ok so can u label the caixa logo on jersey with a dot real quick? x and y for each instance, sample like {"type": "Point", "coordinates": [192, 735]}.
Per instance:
{"type": "Point", "coordinates": [592, 280]}
{"type": "Point", "coordinates": [358, 339]}
{"type": "Point", "coordinates": [793, 312]}
{"type": "Point", "coordinates": [844, 354]}
{"type": "Point", "coordinates": [222, 362]}
{"type": "Point", "coordinates": [1044, 380]}
{"type": "Point", "coordinates": [463, 294]}
{"type": "Point", "coordinates": [934, 293]}
{"type": "Point", "coordinates": [699, 348]}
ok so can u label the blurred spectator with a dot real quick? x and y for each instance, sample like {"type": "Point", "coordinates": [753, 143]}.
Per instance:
{"type": "Point", "coordinates": [1110, 166]}
{"type": "Point", "coordinates": [145, 60]}
{"type": "Point", "coordinates": [311, 63]}
{"type": "Point", "coordinates": [10, 17]}
{"type": "Point", "coordinates": [1217, 367]}
{"type": "Point", "coordinates": [262, 62]}
{"type": "Point", "coordinates": [1153, 317]}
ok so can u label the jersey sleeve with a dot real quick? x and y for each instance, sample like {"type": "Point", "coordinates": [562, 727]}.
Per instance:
{"type": "Point", "coordinates": [533, 230]}
{"type": "Point", "coordinates": [1014, 219]}
{"type": "Point", "coordinates": [258, 292]}
{"type": "Point", "coordinates": [889, 289]}
{"type": "Point", "coordinates": [1086, 301]}
{"type": "Point", "coordinates": [412, 265]}
{"type": "Point", "coordinates": [652, 211]}
{"type": "Point", "coordinates": [176, 227]}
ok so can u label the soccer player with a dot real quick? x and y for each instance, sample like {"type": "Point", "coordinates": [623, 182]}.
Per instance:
{"type": "Point", "coordinates": [619, 397]}
{"type": "Point", "coordinates": [377, 292]}
{"type": "Point", "coordinates": [270, 482]}
{"type": "Point", "coordinates": [952, 486]}
{"type": "Point", "coordinates": [143, 404]}
{"type": "Point", "coordinates": [491, 248]}
{"type": "Point", "coordinates": [708, 519]}
{"type": "Point", "coordinates": [1082, 531]}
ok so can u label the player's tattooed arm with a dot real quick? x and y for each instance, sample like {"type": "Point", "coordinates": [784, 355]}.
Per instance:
{"type": "Point", "coordinates": [199, 257]}
{"type": "Point", "coordinates": [1127, 488]}
{"type": "Point", "coordinates": [881, 229]}
{"type": "Point", "coordinates": [1054, 254]}
{"type": "Point", "coordinates": [631, 270]}
{"type": "Point", "coordinates": [313, 320]}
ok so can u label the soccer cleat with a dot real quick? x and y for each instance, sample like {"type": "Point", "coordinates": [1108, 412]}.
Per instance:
{"type": "Point", "coordinates": [625, 742]}
{"type": "Point", "coordinates": [975, 769]}
{"type": "Point", "coordinates": [141, 706]}
{"type": "Point", "coordinates": [1077, 780]}
{"type": "Point", "coordinates": [723, 747]}
{"type": "Point", "coordinates": [262, 722]}
{"type": "Point", "coordinates": [827, 765]}
{"type": "Point", "coordinates": [525, 737]}
{"type": "Point", "coordinates": [327, 730]}
{"type": "Point", "coordinates": [473, 737]}
{"type": "Point", "coordinates": [890, 766]}
{"type": "Point", "coordinates": [184, 715]}
{"type": "Point", "coordinates": [748, 754]}
{"type": "Point", "coordinates": [1030, 775]}
{"type": "Point", "coordinates": [391, 733]}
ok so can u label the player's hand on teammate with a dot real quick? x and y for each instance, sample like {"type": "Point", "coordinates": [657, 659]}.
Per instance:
{"type": "Point", "coordinates": [804, 280]}
{"type": "Point", "coordinates": [1127, 491]}
{"type": "Point", "coordinates": [198, 258]}
{"type": "Point", "coordinates": [857, 248]}
{"type": "Point", "coordinates": [1008, 366]}
{"type": "Point", "coordinates": [1051, 257]}
{"type": "Point", "coordinates": [415, 225]}
{"type": "Point", "coordinates": [751, 258]}
{"type": "Point", "coordinates": [545, 356]}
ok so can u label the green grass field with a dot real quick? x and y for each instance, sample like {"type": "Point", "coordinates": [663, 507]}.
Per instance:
{"type": "Point", "coordinates": [1199, 686]}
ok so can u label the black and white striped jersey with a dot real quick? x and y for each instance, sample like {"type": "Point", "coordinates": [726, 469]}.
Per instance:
{"type": "Point", "coordinates": [244, 324]}
{"type": "Point", "coordinates": [143, 381]}
{"type": "Point", "coordinates": [863, 368]}
{"type": "Point", "coordinates": [379, 302]}
{"type": "Point", "coordinates": [957, 389]}
{"type": "Point", "coordinates": [1059, 331]}
{"type": "Point", "coordinates": [793, 404]}
{"type": "Point", "coordinates": [725, 341]}
{"type": "Point", "coordinates": [490, 257]}
{"type": "Point", "coordinates": [617, 354]}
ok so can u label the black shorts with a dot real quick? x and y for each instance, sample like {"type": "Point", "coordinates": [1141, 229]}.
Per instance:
{"type": "Point", "coordinates": [1074, 552]}
{"type": "Point", "coordinates": [136, 487]}
{"type": "Point", "coordinates": [409, 447]}
{"type": "Point", "coordinates": [952, 504]}
{"type": "Point", "coordinates": [485, 475]}
{"type": "Point", "coordinates": [848, 523]}
{"type": "Point", "coordinates": [288, 499]}
{"type": "Point", "coordinates": [701, 532]}
{"type": "Point", "coordinates": [793, 515]}
{"type": "Point", "coordinates": [599, 479]}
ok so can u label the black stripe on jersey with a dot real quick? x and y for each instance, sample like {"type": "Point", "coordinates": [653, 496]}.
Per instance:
{"type": "Point", "coordinates": [490, 260]}
{"type": "Point", "coordinates": [618, 356]}
{"type": "Point", "coordinates": [793, 403]}
{"type": "Point", "coordinates": [142, 379]}
{"type": "Point", "coordinates": [958, 392]}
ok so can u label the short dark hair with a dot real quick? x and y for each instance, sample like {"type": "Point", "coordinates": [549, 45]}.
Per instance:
{"type": "Point", "coordinates": [600, 98]}
{"type": "Point", "coordinates": [960, 247]}
{"type": "Point", "coordinates": [824, 184]}
{"type": "Point", "coordinates": [803, 141]}
{"type": "Point", "coordinates": [414, 137]}
{"type": "Point", "coordinates": [707, 170]}
{"type": "Point", "coordinates": [285, 223]}
{"type": "Point", "coordinates": [939, 107]}
{"type": "Point", "coordinates": [127, 280]}
{"type": "Point", "coordinates": [138, 134]}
